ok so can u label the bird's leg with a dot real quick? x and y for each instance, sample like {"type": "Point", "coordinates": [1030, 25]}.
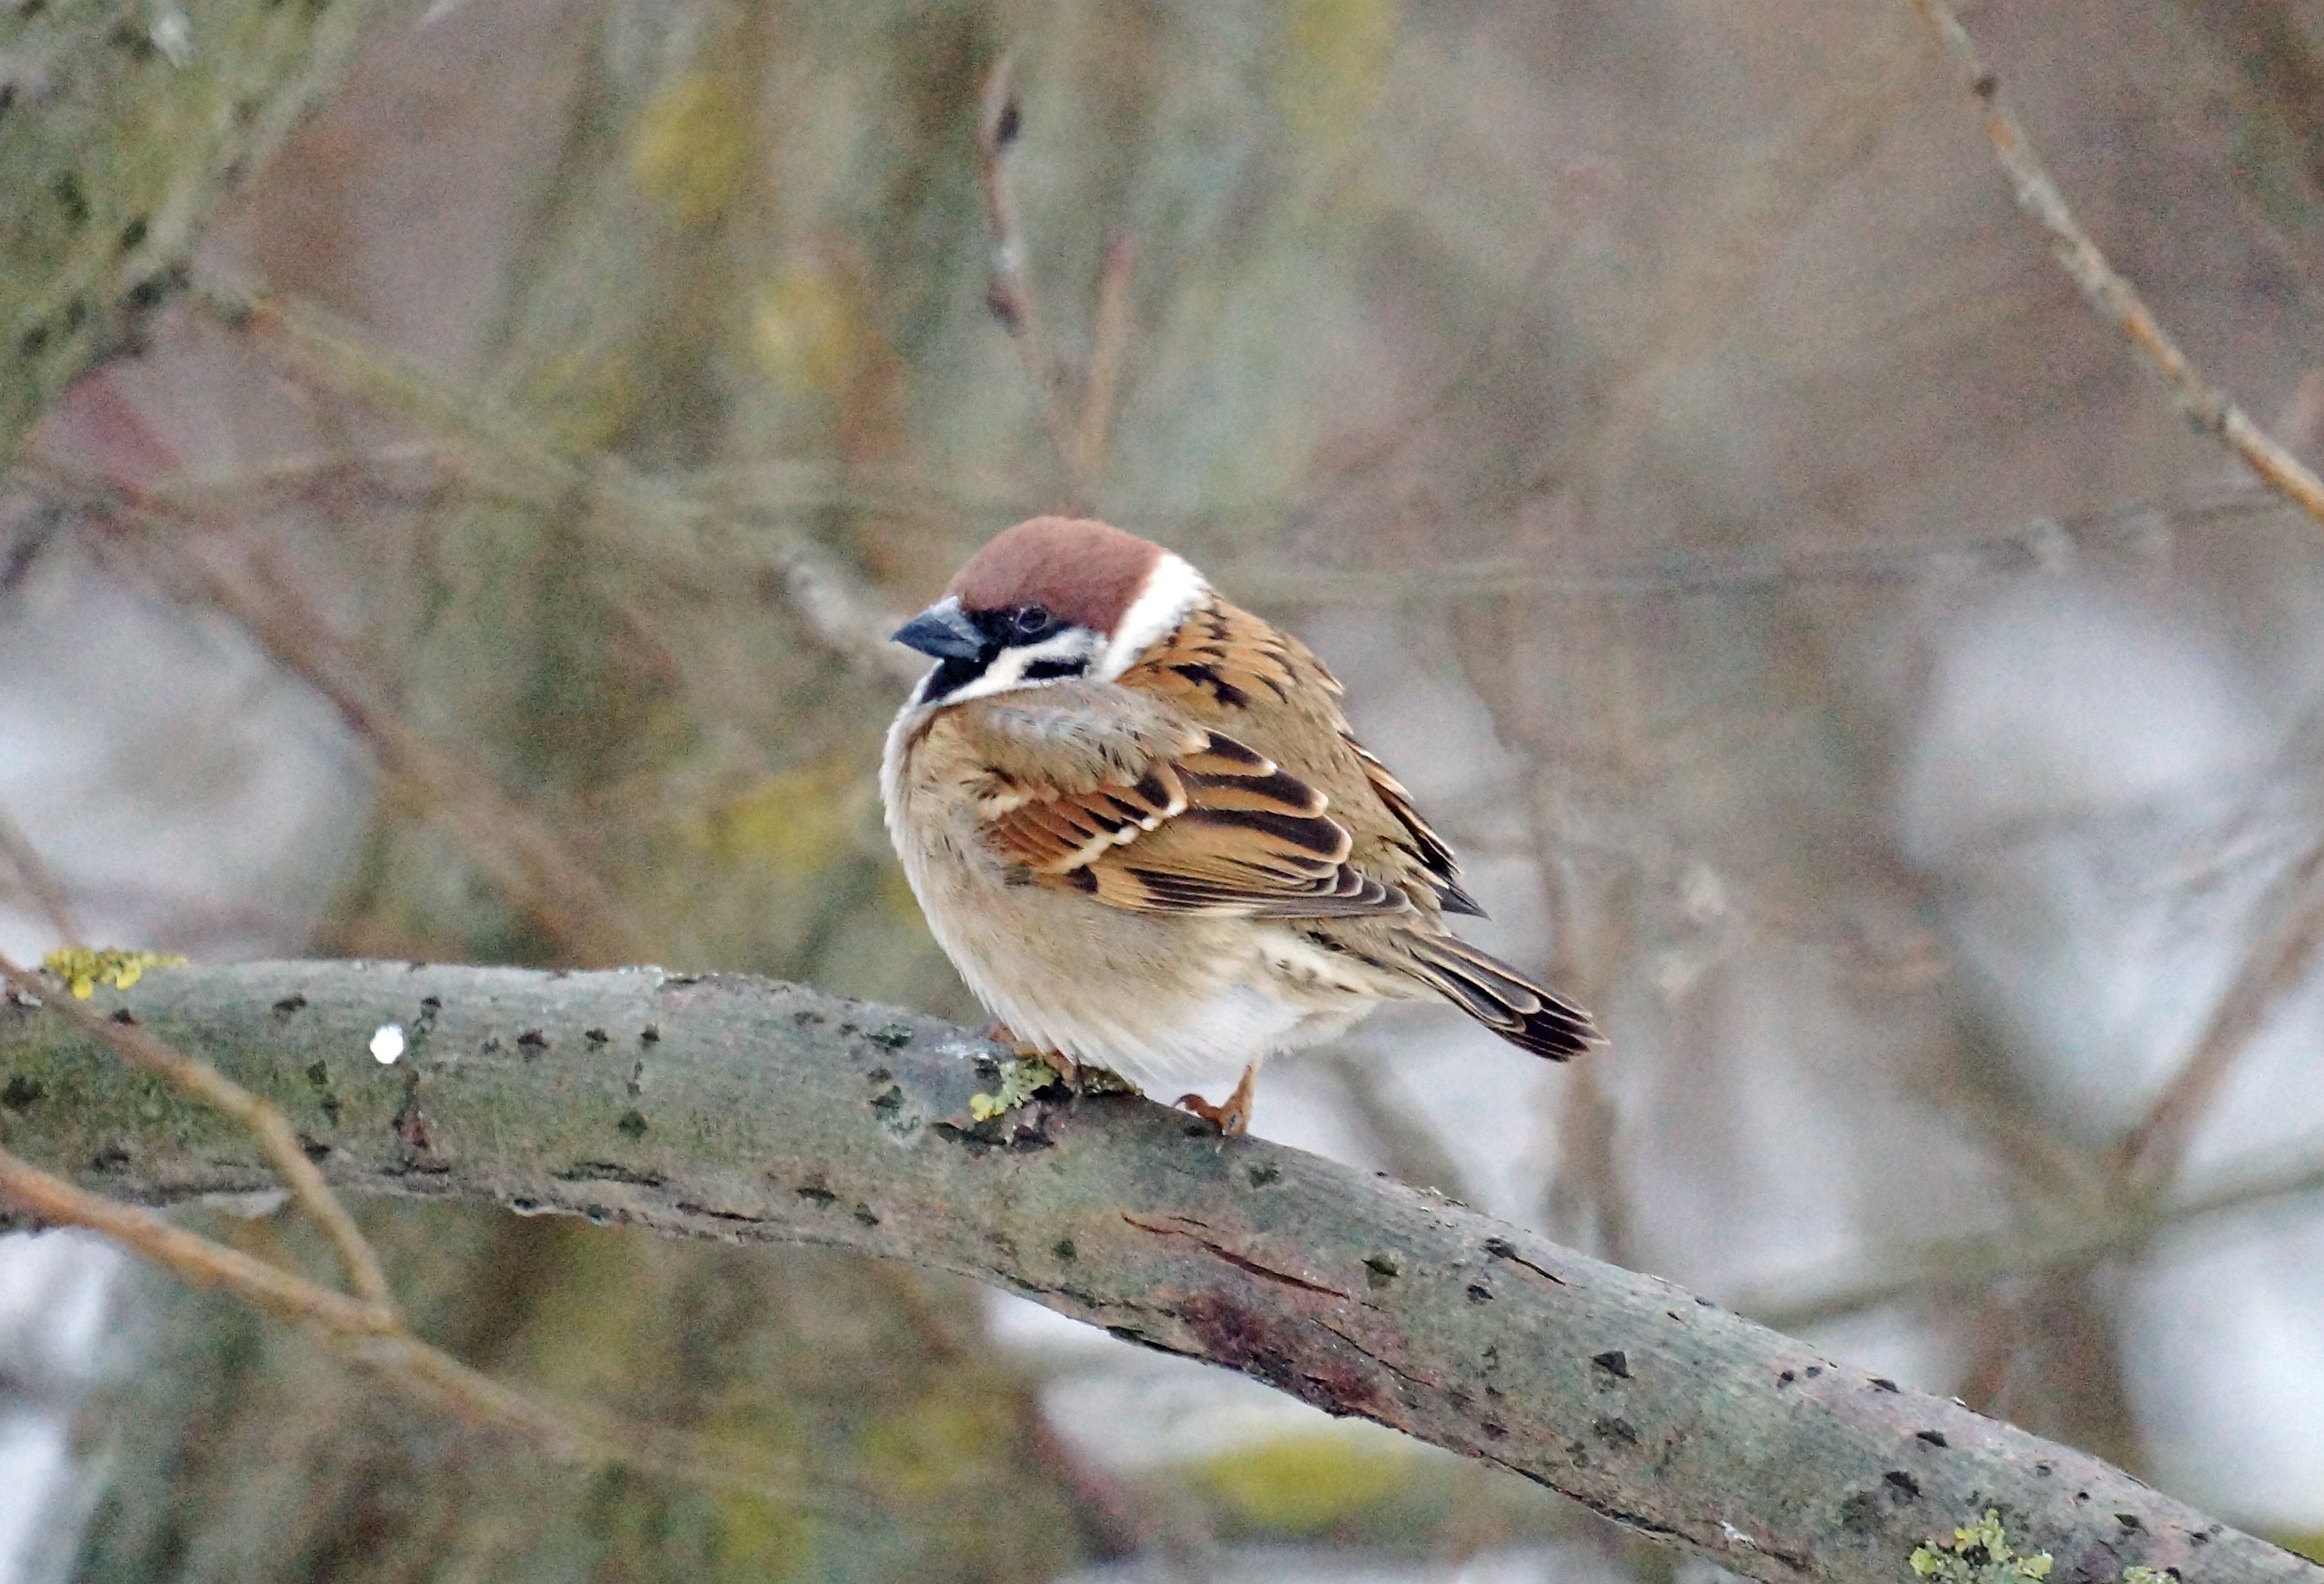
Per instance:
{"type": "Point", "coordinates": [1233, 1118]}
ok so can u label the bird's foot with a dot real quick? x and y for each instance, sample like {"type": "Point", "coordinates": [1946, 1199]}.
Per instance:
{"type": "Point", "coordinates": [1234, 1118]}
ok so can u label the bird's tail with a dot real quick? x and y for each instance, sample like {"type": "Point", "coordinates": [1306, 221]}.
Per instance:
{"type": "Point", "coordinates": [1503, 999]}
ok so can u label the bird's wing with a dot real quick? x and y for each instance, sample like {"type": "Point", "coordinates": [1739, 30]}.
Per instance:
{"type": "Point", "coordinates": [1224, 659]}
{"type": "Point", "coordinates": [1436, 860]}
{"type": "Point", "coordinates": [1149, 811]}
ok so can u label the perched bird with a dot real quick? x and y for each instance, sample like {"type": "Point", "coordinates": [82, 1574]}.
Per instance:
{"type": "Point", "coordinates": [1142, 829]}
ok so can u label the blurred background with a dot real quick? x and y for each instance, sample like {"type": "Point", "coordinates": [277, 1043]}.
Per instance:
{"type": "Point", "coordinates": [1836, 663]}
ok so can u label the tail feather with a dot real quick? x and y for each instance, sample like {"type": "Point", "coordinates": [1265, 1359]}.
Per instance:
{"type": "Point", "coordinates": [1503, 999]}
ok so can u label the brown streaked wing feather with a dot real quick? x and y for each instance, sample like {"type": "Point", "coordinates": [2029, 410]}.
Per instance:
{"type": "Point", "coordinates": [1217, 829]}
{"type": "Point", "coordinates": [1226, 656]}
{"type": "Point", "coordinates": [1223, 657]}
{"type": "Point", "coordinates": [1435, 857]}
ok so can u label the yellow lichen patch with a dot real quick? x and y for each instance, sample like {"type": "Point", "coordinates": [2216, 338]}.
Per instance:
{"type": "Point", "coordinates": [1021, 1078]}
{"type": "Point", "coordinates": [758, 1541]}
{"type": "Point", "coordinates": [83, 969]}
{"type": "Point", "coordinates": [1334, 54]}
{"type": "Point", "coordinates": [2142, 1574]}
{"type": "Point", "coordinates": [691, 145]}
{"type": "Point", "coordinates": [933, 1443]}
{"type": "Point", "coordinates": [1299, 1484]}
{"type": "Point", "coordinates": [807, 328]}
{"type": "Point", "coordinates": [797, 821]}
{"type": "Point", "coordinates": [896, 894]}
{"type": "Point", "coordinates": [1980, 1554]}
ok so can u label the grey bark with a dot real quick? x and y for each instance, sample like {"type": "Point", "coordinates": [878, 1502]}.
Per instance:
{"type": "Point", "coordinates": [752, 1112]}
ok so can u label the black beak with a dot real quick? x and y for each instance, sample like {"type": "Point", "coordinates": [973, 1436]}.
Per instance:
{"type": "Point", "coordinates": [943, 633]}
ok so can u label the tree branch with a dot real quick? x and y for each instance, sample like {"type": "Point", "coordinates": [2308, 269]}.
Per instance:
{"type": "Point", "coordinates": [276, 1141]}
{"type": "Point", "coordinates": [2206, 407]}
{"type": "Point", "coordinates": [1979, 1260]}
{"type": "Point", "coordinates": [755, 1113]}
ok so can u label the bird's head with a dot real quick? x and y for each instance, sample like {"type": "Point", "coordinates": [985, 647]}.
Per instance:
{"type": "Point", "coordinates": [1054, 599]}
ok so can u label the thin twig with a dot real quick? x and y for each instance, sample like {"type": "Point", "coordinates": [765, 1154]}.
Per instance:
{"type": "Point", "coordinates": [2206, 407]}
{"type": "Point", "coordinates": [1008, 292]}
{"type": "Point", "coordinates": [193, 1258]}
{"type": "Point", "coordinates": [1977, 1259]}
{"type": "Point", "coordinates": [500, 442]}
{"type": "Point", "coordinates": [404, 470]}
{"type": "Point", "coordinates": [1108, 350]}
{"type": "Point", "coordinates": [506, 843]}
{"type": "Point", "coordinates": [583, 1436]}
{"type": "Point", "coordinates": [39, 882]}
{"type": "Point", "coordinates": [205, 1083]}
{"type": "Point", "coordinates": [654, 525]}
{"type": "Point", "coordinates": [2130, 534]}
{"type": "Point", "coordinates": [2280, 963]}
{"type": "Point", "coordinates": [371, 1335]}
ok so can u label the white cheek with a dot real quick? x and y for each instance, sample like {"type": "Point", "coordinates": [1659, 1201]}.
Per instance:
{"type": "Point", "coordinates": [1172, 589]}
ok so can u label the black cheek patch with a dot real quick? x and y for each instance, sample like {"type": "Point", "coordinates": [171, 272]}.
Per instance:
{"type": "Point", "coordinates": [952, 675]}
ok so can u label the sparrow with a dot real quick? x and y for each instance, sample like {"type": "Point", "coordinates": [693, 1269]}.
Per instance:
{"type": "Point", "coordinates": [1140, 827]}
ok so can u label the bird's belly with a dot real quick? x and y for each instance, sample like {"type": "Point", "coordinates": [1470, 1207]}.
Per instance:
{"type": "Point", "coordinates": [1172, 1003]}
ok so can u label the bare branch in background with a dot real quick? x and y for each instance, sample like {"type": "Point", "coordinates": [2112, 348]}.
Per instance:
{"type": "Point", "coordinates": [505, 842]}
{"type": "Point", "coordinates": [2134, 536]}
{"type": "Point", "coordinates": [205, 1083]}
{"type": "Point", "coordinates": [660, 528]}
{"type": "Point", "coordinates": [409, 470]}
{"type": "Point", "coordinates": [19, 856]}
{"type": "Point", "coordinates": [1409, 1145]}
{"type": "Point", "coordinates": [1010, 293]}
{"type": "Point", "coordinates": [373, 1339]}
{"type": "Point", "coordinates": [53, 1201]}
{"type": "Point", "coordinates": [537, 870]}
{"type": "Point", "coordinates": [1831, 136]}
{"type": "Point", "coordinates": [1108, 350]}
{"type": "Point", "coordinates": [2206, 407]}
{"type": "Point", "coordinates": [2277, 963]}
{"type": "Point", "coordinates": [1078, 436]}
{"type": "Point", "coordinates": [1585, 1192]}
{"type": "Point", "coordinates": [2063, 1242]}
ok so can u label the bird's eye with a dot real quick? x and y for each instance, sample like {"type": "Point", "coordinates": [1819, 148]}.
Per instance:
{"type": "Point", "coordinates": [1034, 622]}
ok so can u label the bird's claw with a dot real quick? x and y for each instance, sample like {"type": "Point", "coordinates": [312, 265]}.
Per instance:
{"type": "Point", "coordinates": [1234, 1118]}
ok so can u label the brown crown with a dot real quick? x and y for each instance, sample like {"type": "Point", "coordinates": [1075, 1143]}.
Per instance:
{"type": "Point", "coordinates": [1083, 570]}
